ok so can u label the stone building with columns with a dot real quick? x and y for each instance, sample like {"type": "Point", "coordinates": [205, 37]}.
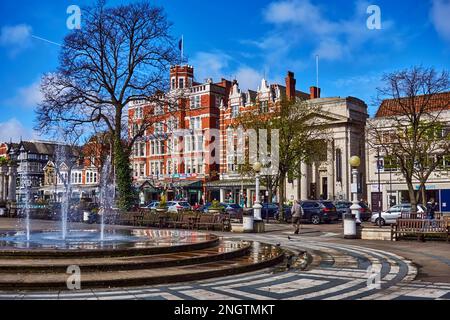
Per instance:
{"type": "Point", "coordinates": [330, 178]}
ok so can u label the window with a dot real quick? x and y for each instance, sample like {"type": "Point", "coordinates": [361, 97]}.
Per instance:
{"type": "Point", "coordinates": [169, 167]}
{"type": "Point", "coordinates": [159, 110]}
{"type": "Point", "coordinates": [264, 106]}
{"type": "Point", "coordinates": [138, 113]}
{"type": "Point", "coordinates": [234, 110]}
{"type": "Point", "coordinates": [196, 123]}
{"type": "Point", "coordinates": [173, 83]}
{"type": "Point", "coordinates": [199, 143]}
{"type": "Point", "coordinates": [142, 170]}
{"type": "Point", "coordinates": [181, 83]}
{"type": "Point", "coordinates": [195, 102]}
{"type": "Point", "coordinates": [187, 143]}
{"type": "Point", "coordinates": [158, 128]}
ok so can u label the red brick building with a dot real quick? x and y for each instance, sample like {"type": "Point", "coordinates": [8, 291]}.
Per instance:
{"type": "Point", "coordinates": [173, 156]}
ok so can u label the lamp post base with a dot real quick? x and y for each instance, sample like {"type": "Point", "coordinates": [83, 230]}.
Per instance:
{"type": "Point", "coordinates": [258, 226]}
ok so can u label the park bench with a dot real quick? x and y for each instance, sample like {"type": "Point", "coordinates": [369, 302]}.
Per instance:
{"type": "Point", "coordinates": [125, 218]}
{"type": "Point", "coordinates": [150, 219]}
{"type": "Point", "coordinates": [186, 220]}
{"type": "Point", "coordinates": [213, 221]}
{"type": "Point", "coordinates": [419, 228]}
{"type": "Point", "coordinates": [139, 217]}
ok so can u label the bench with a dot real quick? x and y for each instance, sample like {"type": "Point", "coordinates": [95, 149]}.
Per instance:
{"type": "Point", "coordinates": [150, 219]}
{"type": "Point", "coordinates": [125, 218]}
{"type": "Point", "coordinates": [419, 228]}
{"type": "Point", "coordinates": [212, 221]}
{"type": "Point", "coordinates": [187, 220]}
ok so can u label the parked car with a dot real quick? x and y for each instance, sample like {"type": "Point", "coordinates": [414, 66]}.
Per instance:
{"type": "Point", "coordinates": [149, 205]}
{"type": "Point", "coordinates": [391, 215]}
{"type": "Point", "coordinates": [269, 211]}
{"type": "Point", "coordinates": [343, 206]}
{"type": "Point", "coordinates": [316, 212]}
{"type": "Point", "coordinates": [178, 206]}
{"type": "Point", "coordinates": [234, 210]}
{"type": "Point", "coordinates": [153, 205]}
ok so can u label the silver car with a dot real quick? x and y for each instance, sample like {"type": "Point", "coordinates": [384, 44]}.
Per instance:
{"type": "Point", "coordinates": [393, 213]}
{"type": "Point", "coordinates": [178, 206]}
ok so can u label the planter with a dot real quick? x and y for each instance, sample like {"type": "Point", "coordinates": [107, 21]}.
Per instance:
{"type": "Point", "coordinates": [161, 210]}
{"type": "Point", "coordinates": [214, 211]}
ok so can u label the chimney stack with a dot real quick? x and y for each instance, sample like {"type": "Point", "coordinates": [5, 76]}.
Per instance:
{"type": "Point", "coordinates": [314, 92]}
{"type": "Point", "coordinates": [290, 86]}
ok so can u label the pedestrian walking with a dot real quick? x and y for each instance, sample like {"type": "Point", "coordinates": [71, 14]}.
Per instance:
{"type": "Point", "coordinates": [297, 213]}
{"type": "Point", "coordinates": [431, 209]}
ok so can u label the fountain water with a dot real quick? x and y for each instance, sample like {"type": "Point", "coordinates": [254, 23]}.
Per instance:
{"type": "Point", "coordinates": [62, 156]}
{"type": "Point", "coordinates": [25, 185]}
{"type": "Point", "coordinates": [107, 189]}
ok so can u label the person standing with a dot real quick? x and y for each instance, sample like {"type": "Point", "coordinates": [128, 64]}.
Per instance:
{"type": "Point", "coordinates": [431, 209]}
{"type": "Point", "coordinates": [297, 213]}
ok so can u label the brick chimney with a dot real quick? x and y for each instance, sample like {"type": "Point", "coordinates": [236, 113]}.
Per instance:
{"type": "Point", "coordinates": [290, 85]}
{"type": "Point", "coordinates": [314, 92]}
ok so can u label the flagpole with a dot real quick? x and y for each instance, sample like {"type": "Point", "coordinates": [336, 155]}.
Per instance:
{"type": "Point", "coordinates": [317, 71]}
{"type": "Point", "coordinates": [182, 48]}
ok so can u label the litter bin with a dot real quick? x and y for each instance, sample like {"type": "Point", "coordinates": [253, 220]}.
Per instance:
{"type": "Point", "coordinates": [349, 226]}
{"type": "Point", "coordinates": [248, 223]}
{"type": "Point", "coordinates": [86, 216]}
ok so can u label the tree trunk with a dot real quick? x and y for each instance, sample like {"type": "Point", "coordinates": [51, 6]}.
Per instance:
{"type": "Point", "coordinates": [125, 198]}
{"type": "Point", "coordinates": [412, 197]}
{"type": "Point", "coordinates": [423, 190]}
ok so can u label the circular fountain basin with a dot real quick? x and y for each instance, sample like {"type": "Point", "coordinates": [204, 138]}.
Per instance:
{"type": "Point", "coordinates": [115, 242]}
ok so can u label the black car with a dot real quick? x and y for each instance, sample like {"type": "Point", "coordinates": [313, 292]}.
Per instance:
{"type": "Point", "coordinates": [344, 206]}
{"type": "Point", "coordinates": [269, 211]}
{"type": "Point", "coordinates": [316, 212]}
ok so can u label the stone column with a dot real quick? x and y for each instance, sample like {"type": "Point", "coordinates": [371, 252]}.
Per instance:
{"type": "Point", "coordinates": [12, 173]}
{"type": "Point", "coordinates": [304, 181]}
{"type": "Point", "coordinates": [3, 171]}
{"type": "Point", "coordinates": [249, 198]}
{"type": "Point", "coordinates": [222, 195]}
{"type": "Point", "coordinates": [331, 173]}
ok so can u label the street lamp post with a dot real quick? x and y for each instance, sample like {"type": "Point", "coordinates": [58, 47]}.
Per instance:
{"type": "Point", "coordinates": [380, 196]}
{"type": "Point", "coordinates": [355, 162]}
{"type": "Point", "coordinates": [257, 205]}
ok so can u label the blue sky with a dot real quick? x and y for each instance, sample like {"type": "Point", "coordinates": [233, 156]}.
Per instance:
{"type": "Point", "coordinates": [241, 39]}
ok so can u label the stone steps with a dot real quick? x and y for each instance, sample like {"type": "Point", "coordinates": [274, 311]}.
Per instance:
{"type": "Point", "coordinates": [223, 251]}
{"type": "Point", "coordinates": [254, 258]}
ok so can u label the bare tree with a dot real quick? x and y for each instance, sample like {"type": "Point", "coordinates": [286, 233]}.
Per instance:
{"type": "Point", "coordinates": [408, 127]}
{"type": "Point", "coordinates": [301, 133]}
{"type": "Point", "coordinates": [120, 55]}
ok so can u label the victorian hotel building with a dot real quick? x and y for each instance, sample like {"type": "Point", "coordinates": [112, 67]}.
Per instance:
{"type": "Point", "coordinates": [216, 105]}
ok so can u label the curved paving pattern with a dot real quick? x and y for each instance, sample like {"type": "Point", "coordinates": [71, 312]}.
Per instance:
{"type": "Point", "coordinates": [337, 272]}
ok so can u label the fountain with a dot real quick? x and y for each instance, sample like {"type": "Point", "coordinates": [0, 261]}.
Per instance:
{"type": "Point", "coordinates": [107, 189]}
{"type": "Point", "coordinates": [38, 259]}
{"type": "Point", "coordinates": [25, 185]}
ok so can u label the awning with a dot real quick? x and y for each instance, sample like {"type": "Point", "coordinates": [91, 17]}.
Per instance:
{"type": "Point", "coordinates": [232, 183]}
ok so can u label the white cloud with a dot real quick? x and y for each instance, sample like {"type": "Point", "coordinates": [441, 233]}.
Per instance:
{"type": "Point", "coordinates": [26, 97]}
{"type": "Point", "coordinates": [13, 129]}
{"type": "Point", "coordinates": [440, 16]}
{"type": "Point", "coordinates": [219, 65]}
{"type": "Point", "coordinates": [210, 65]}
{"type": "Point", "coordinates": [301, 13]}
{"type": "Point", "coordinates": [248, 78]}
{"type": "Point", "coordinates": [15, 38]}
{"type": "Point", "coordinates": [303, 23]}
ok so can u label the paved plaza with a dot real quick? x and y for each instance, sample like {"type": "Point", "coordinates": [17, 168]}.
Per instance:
{"type": "Point", "coordinates": [340, 269]}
